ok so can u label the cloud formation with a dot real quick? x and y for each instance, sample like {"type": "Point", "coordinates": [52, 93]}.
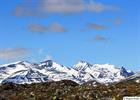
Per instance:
{"type": "Point", "coordinates": [37, 28]}
{"type": "Point", "coordinates": [13, 53]}
{"type": "Point", "coordinates": [101, 38]}
{"type": "Point", "coordinates": [44, 7]}
{"type": "Point", "coordinates": [96, 26]}
{"type": "Point", "coordinates": [29, 8]}
{"type": "Point", "coordinates": [54, 27]}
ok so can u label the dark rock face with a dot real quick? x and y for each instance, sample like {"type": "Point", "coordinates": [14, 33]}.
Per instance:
{"type": "Point", "coordinates": [69, 90]}
{"type": "Point", "coordinates": [125, 73]}
{"type": "Point", "coordinates": [48, 63]}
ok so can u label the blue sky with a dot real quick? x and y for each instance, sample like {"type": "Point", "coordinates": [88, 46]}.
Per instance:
{"type": "Point", "coordinates": [97, 31]}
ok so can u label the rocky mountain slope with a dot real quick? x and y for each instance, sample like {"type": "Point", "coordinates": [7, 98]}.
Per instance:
{"type": "Point", "coordinates": [25, 72]}
{"type": "Point", "coordinates": [69, 90]}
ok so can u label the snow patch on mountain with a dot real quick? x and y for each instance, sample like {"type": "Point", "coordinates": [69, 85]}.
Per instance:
{"type": "Point", "coordinates": [25, 72]}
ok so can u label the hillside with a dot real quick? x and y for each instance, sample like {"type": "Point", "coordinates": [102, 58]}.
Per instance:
{"type": "Point", "coordinates": [69, 90]}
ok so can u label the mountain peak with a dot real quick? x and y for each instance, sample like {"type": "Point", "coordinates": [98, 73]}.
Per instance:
{"type": "Point", "coordinates": [82, 65]}
{"type": "Point", "coordinates": [47, 63]}
{"type": "Point", "coordinates": [17, 63]}
{"type": "Point", "coordinates": [50, 64]}
{"type": "Point", "coordinates": [50, 70]}
{"type": "Point", "coordinates": [125, 73]}
{"type": "Point", "coordinates": [82, 61]}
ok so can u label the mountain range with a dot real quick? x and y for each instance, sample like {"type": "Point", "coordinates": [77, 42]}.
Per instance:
{"type": "Point", "coordinates": [26, 72]}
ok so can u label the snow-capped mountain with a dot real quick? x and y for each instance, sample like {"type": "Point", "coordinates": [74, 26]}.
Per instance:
{"type": "Point", "coordinates": [25, 72]}
{"type": "Point", "coordinates": [103, 73]}
{"type": "Point", "coordinates": [135, 77]}
{"type": "Point", "coordinates": [82, 66]}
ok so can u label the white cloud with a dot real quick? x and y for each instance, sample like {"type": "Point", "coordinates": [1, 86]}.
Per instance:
{"type": "Point", "coordinates": [101, 38]}
{"type": "Point", "coordinates": [13, 53]}
{"type": "Point", "coordinates": [54, 27]}
{"type": "Point", "coordinates": [63, 6]}
{"type": "Point", "coordinates": [44, 7]}
{"type": "Point", "coordinates": [96, 26]}
{"type": "Point", "coordinates": [48, 57]}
